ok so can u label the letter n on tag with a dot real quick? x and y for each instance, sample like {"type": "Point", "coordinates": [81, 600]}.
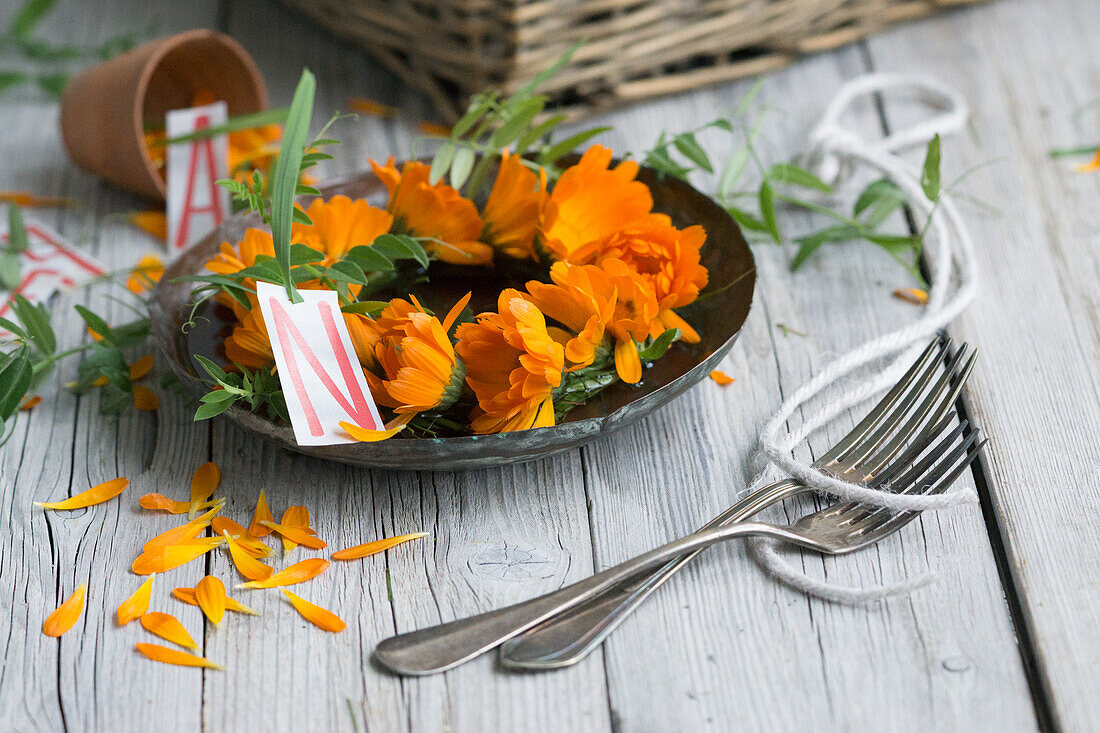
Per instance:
{"type": "Point", "coordinates": [196, 203]}
{"type": "Point", "coordinates": [322, 381]}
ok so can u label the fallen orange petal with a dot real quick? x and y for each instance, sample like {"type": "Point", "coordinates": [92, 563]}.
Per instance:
{"type": "Point", "coordinates": [187, 595]}
{"type": "Point", "coordinates": [262, 514]}
{"type": "Point", "coordinates": [319, 617]}
{"type": "Point", "coordinates": [141, 367]}
{"type": "Point", "coordinates": [168, 628]}
{"type": "Point", "coordinates": [210, 595]}
{"type": "Point", "coordinates": [434, 129]}
{"type": "Point", "coordinates": [372, 548]}
{"type": "Point", "coordinates": [61, 620]}
{"type": "Point", "coordinates": [297, 535]}
{"type": "Point", "coordinates": [136, 605]}
{"type": "Point", "coordinates": [101, 380]}
{"type": "Point", "coordinates": [160, 559]}
{"type": "Point", "coordinates": [371, 107]}
{"type": "Point", "coordinates": [247, 565]}
{"type": "Point", "coordinates": [182, 533]}
{"type": "Point", "coordinates": [161, 503]}
{"type": "Point", "coordinates": [145, 399]}
{"type": "Point", "coordinates": [296, 573]}
{"type": "Point", "coordinates": [251, 545]}
{"type": "Point", "coordinates": [204, 483]}
{"type": "Point", "coordinates": [722, 378]}
{"type": "Point", "coordinates": [31, 402]}
{"type": "Point", "coordinates": [32, 200]}
{"type": "Point", "coordinates": [145, 274]}
{"type": "Point", "coordinates": [1093, 165]}
{"type": "Point", "coordinates": [916, 296]}
{"type": "Point", "coordinates": [294, 516]}
{"type": "Point", "coordinates": [365, 435]}
{"type": "Point", "coordinates": [150, 222]}
{"type": "Point", "coordinates": [95, 495]}
{"type": "Point", "coordinates": [159, 653]}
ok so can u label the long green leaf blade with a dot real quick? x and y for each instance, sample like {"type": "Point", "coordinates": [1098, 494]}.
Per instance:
{"type": "Point", "coordinates": [285, 177]}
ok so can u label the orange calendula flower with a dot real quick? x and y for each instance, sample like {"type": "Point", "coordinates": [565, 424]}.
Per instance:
{"type": "Point", "coordinates": [340, 224]}
{"type": "Point", "coordinates": [666, 257]}
{"type": "Point", "coordinates": [61, 620]}
{"type": "Point", "coordinates": [515, 203]}
{"type": "Point", "coordinates": [168, 628]}
{"type": "Point", "coordinates": [513, 365]}
{"type": "Point", "coordinates": [437, 211]}
{"type": "Point", "coordinates": [260, 515]}
{"type": "Point", "coordinates": [320, 617]}
{"type": "Point", "coordinates": [304, 537]}
{"type": "Point", "coordinates": [146, 273]}
{"type": "Point", "coordinates": [246, 564]}
{"type": "Point", "coordinates": [297, 517]}
{"type": "Point", "coordinates": [210, 595]}
{"type": "Point", "coordinates": [159, 653]}
{"type": "Point", "coordinates": [591, 201]}
{"type": "Point", "coordinates": [372, 548]}
{"type": "Point", "coordinates": [95, 495]}
{"type": "Point", "coordinates": [254, 148]}
{"type": "Point", "coordinates": [161, 559]}
{"type": "Point", "coordinates": [421, 371]}
{"type": "Point", "coordinates": [145, 399]}
{"type": "Point", "coordinates": [153, 223]}
{"type": "Point", "coordinates": [296, 573]}
{"type": "Point", "coordinates": [187, 595]}
{"type": "Point", "coordinates": [231, 258]}
{"type": "Point", "coordinates": [141, 367]}
{"type": "Point", "coordinates": [721, 378]}
{"type": "Point", "coordinates": [136, 605]}
{"type": "Point", "coordinates": [248, 543]}
{"type": "Point", "coordinates": [204, 482]}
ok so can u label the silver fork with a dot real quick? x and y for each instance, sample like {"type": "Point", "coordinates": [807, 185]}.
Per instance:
{"type": "Point", "coordinates": [838, 529]}
{"type": "Point", "coordinates": [569, 637]}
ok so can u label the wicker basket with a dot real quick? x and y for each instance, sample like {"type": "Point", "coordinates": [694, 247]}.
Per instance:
{"type": "Point", "coordinates": [451, 49]}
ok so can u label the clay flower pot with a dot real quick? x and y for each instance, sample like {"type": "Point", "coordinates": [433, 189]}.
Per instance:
{"type": "Point", "coordinates": [103, 110]}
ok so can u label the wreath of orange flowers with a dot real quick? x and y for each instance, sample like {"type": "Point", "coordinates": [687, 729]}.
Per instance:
{"type": "Point", "coordinates": [615, 274]}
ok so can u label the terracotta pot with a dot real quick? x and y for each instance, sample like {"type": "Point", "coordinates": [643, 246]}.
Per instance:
{"type": "Point", "coordinates": [103, 110]}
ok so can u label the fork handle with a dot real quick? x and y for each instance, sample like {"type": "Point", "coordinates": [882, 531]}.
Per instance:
{"type": "Point", "coordinates": [570, 636]}
{"type": "Point", "coordinates": [442, 647]}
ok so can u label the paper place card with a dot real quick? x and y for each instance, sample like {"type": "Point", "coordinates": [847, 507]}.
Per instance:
{"type": "Point", "coordinates": [196, 203]}
{"type": "Point", "coordinates": [322, 381]}
{"type": "Point", "coordinates": [48, 264]}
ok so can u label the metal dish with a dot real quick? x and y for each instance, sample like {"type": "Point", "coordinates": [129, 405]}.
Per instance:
{"type": "Point", "coordinates": [718, 316]}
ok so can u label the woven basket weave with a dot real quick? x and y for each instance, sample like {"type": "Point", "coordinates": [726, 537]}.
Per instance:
{"type": "Point", "coordinates": [451, 49]}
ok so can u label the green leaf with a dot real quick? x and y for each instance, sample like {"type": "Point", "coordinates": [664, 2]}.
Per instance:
{"type": "Point", "coordinates": [17, 232]}
{"type": "Point", "coordinates": [369, 258]}
{"type": "Point", "coordinates": [519, 121]}
{"type": "Point", "coordinates": [660, 345]}
{"type": "Point", "coordinates": [10, 79]}
{"type": "Point", "coordinates": [28, 17]}
{"type": "Point", "coordinates": [301, 254]}
{"type": "Point", "coordinates": [767, 210]}
{"type": "Point", "coordinates": [36, 322]}
{"type": "Point", "coordinates": [130, 334]}
{"type": "Point", "coordinates": [401, 247]}
{"type": "Point", "coordinates": [53, 84]}
{"type": "Point", "coordinates": [567, 145]}
{"type": "Point", "coordinates": [11, 270]}
{"type": "Point", "coordinates": [366, 307]}
{"type": "Point", "coordinates": [15, 380]}
{"type": "Point", "coordinates": [237, 122]}
{"type": "Point", "coordinates": [94, 322]}
{"type": "Point", "coordinates": [473, 115]}
{"type": "Point", "coordinates": [461, 166]}
{"type": "Point", "coordinates": [12, 326]}
{"type": "Point", "coordinates": [347, 271]}
{"type": "Point", "coordinates": [747, 220]}
{"type": "Point", "coordinates": [544, 75]}
{"type": "Point", "coordinates": [690, 148]}
{"type": "Point", "coordinates": [538, 132]}
{"type": "Point", "coordinates": [789, 173]}
{"type": "Point", "coordinates": [750, 97]}
{"type": "Point", "coordinates": [208, 410]}
{"type": "Point", "coordinates": [930, 172]}
{"type": "Point", "coordinates": [441, 163]}
{"type": "Point", "coordinates": [285, 176]}
{"type": "Point", "coordinates": [880, 199]}
{"type": "Point", "coordinates": [660, 160]}
{"type": "Point", "coordinates": [217, 395]}
{"type": "Point", "coordinates": [731, 173]}
{"type": "Point", "coordinates": [212, 369]}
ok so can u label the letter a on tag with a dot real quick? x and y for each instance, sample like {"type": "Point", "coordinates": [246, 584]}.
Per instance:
{"type": "Point", "coordinates": [321, 377]}
{"type": "Point", "coordinates": [196, 203]}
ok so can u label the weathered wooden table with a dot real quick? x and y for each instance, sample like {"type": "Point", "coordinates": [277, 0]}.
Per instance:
{"type": "Point", "coordinates": [1007, 639]}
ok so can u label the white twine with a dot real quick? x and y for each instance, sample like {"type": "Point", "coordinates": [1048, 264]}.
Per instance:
{"type": "Point", "coordinates": [835, 151]}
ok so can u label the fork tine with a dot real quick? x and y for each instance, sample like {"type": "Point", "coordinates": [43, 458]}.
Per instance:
{"type": "Point", "coordinates": [938, 402]}
{"type": "Point", "coordinates": [914, 380]}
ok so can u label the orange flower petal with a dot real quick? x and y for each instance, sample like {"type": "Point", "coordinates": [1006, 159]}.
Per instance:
{"type": "Point", "coordinates": [161, 503]}
{"type": "Point", "coordinates": [251, 545]}
{"type": "Point", "coordinates": [159, 653]}
{"type": "Point", "coordinates": [183, 533]}
{"type": "Point", "coordinates": [187, 595]}
{"type": "Point", "coordinates": [721, 378]}
{"type": "Point", "coordinates": [297, 535]}
{"type": "Point", "coordinates": [154, 223]}
{"type": "Point", "coordinates": [31, 403]}
{"type": "Point", "coordinates": [141, 367]}
{"type": "Point", "coordinates": [372, 548]}
{"type": "Point", "coordinates": [33, 200]}
{"type": "Point", "coordinates": [294, 516]}
{"type": "Point", "coordinates": [160, 559]}
{"type": "Point", "coordinates": [145, 399]}
{"type": "Point", "coordinates": [371, 107]}
{"type": "Point", "coordinates": [146, 273]}
{"type": "Point", "coordinates": [916, 296]}
{"type": "Point", "coordinates": [262, 514]}
{"type": "Point", "coordinates": [296, 573]}
{"type": "Point", "coordinates": [168, 628]}
{"type": "Point", "coordinates": [95, 495]}
{"type": "Point", "coordinates": [319, 617]}
{"type": "Point", "coordinates": [203, 484]}
{"type": "Point", "coordinates": [364, 435]}
{"type": "Point", "coordinates": [136, 605]}
{"type": "Point", "coordinates": [247, 565]}
{"type": "Point", "coordinates": [210, 595]}
{"type": "Point", "coordinates": [61, 620]}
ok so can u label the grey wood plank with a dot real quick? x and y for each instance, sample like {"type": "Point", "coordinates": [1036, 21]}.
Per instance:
{"type": "Point", "coordinates": [724, 645]}
{"type": "Point", "coordinates": [497, 536]}
{"type": "Point", "coordinates": [1036, 389]}
{"type": "Point", "coordinates": [91, 678]}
